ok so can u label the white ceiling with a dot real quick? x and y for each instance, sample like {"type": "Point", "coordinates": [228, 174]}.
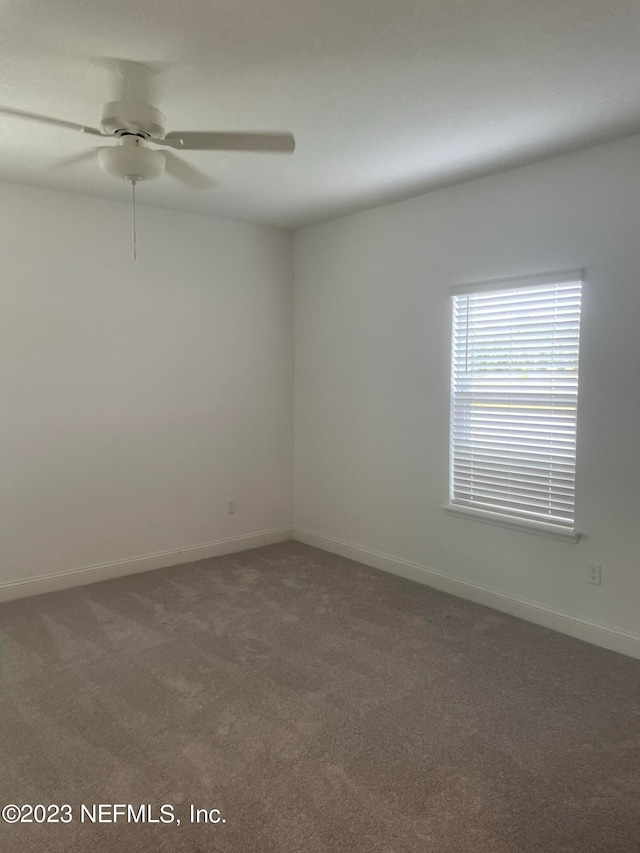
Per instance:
{"type": "Point", "coordinates": [387, 98]}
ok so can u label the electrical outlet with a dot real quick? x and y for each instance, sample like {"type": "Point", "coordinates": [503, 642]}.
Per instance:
{"type": "Point", "coordinates": [595, 574]}
{"type": "Point", "coordinates": [231, 506]}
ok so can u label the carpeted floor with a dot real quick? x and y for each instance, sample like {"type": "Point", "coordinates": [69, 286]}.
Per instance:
{"type": "Point", "coordinates": [319, 705]}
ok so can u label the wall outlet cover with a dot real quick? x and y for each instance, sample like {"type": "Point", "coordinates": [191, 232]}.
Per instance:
{"type": "Point", "coordinates": [595, 574]}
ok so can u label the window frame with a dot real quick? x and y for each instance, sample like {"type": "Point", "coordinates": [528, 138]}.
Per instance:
{"type": "Point", "coordinates": [521, 523]}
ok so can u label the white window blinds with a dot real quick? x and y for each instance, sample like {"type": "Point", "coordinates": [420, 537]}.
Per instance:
{"type": "Point", "coordinates": [514, 397]}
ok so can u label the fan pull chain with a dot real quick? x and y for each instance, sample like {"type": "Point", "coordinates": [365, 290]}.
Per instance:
{"type": "Point", "coordinates": [133, 236]}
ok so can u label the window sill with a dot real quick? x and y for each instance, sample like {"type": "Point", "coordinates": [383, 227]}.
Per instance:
{"type": "Point", "coordinates": [540, 528]}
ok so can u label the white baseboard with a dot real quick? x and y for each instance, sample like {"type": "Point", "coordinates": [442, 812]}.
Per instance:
{"type": "Point", "coordinates": [144, 563]}
{"type": "Point", "coordinates": [592, 632]}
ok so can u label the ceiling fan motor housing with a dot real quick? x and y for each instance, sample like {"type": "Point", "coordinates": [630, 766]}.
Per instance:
{"type": "Point", "coordinates": [121, 117]}
{"type": "Point", "coordinates": [132, 160]}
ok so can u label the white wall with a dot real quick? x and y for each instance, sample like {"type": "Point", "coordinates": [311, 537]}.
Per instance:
{"type": "Point", "coordinates": [372, 343]}
{"type": "Point", "coordinates": [138, 396]}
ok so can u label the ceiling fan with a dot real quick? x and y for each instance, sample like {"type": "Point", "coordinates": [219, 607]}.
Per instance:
{"type": "Point", "coordinates": [136, 124]}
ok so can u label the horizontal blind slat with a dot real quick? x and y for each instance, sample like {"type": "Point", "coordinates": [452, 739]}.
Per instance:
{"type": "Point", "coordinates": [563, 520]}
{"type": "Point", "coordinates": [515, 474]}
{"type": "Point", "coordinates": [504, 486]}
{"type": "Point", "coordinates": [515, 500]}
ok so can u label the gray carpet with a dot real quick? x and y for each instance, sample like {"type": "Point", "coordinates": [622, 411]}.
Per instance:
{"type": "Point", "coordinates": [318, 704]}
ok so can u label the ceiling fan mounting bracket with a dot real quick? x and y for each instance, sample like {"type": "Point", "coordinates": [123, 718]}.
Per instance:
{"type": "Point", "coordinates": [126, 117]}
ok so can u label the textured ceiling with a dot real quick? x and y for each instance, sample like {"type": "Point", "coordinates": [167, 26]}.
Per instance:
{"type": "Point", "coordinates": [387, 98]}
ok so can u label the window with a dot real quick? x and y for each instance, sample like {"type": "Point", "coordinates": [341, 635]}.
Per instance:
{"type": "Point", "coordinates": [514, 395]}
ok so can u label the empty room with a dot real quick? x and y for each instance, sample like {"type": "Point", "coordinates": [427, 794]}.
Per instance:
{"type": "Point", "coordinates": [319, 468]}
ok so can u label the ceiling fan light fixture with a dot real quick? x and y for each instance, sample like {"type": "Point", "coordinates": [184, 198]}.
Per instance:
{"type": "Point", "coordinates": [131, 160]}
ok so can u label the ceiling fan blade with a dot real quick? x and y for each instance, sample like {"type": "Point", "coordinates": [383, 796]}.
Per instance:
{"type": "Point", "coordinates": [79, 158]}
{"type": "Point", "coordinates": [185, 172]}
{"type": "Point", "coordinates": [275, 143]}
{"type": "Point", "coordinates": [55, 122]}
